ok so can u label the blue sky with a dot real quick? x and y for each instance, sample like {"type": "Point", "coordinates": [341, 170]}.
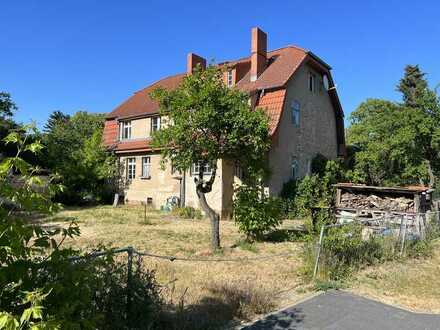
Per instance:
{"type": "Point", "coordinates": [91, 55]}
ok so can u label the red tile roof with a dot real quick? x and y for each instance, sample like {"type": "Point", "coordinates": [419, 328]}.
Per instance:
{"type": "Point", "coordinates": [132, 145]}
{"type": "Point", "coordinates": [282, 64]}
{"type": "Point", "coordinates": [272, 103]}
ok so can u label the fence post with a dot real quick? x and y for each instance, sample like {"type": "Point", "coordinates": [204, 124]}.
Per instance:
{"type": "Point", "coordinates": [129, 283]}
{"type": "Point", "coordinates": [403, 235]}
{"type": "Point", "coordinates": [321, 235]}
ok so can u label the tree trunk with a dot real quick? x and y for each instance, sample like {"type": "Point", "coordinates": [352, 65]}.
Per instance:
{"type": "Point", "coordinates": [213, 217]}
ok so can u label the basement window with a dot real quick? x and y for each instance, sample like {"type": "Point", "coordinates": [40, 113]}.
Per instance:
{"type": "Point", "coordinates": [125, 130]}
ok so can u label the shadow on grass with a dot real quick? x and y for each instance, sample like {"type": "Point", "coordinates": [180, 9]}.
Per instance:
{"type": "Point", "coordinates": [286, 235]}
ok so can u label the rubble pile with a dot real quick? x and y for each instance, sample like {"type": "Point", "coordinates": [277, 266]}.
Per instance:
{"type": "Point", "coordinates": [386, 203]}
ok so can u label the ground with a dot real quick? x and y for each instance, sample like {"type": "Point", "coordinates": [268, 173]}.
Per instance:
{"type": "Point", "coordinates": [251, 287]}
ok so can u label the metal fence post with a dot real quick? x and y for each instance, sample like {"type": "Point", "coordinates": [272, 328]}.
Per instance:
{"type": "Point", "coordinates": [403, 236]}
{"type": "Point", "coordinates": [129, 283]}
{"type": "Point", "coordinates": [321, 235]}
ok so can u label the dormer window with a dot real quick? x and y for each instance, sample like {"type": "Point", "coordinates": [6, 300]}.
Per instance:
{"type": "Point", "coordinates": [155, 124]}
{"type": "Point", "coordinates": [125, 130]}
{"type": "Point", "coordinates": [229, 78]}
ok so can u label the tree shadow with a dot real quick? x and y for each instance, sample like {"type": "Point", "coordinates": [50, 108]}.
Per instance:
{"type": "Point", "coordinates": [291, 318]}
{"type": "Point", "coordinates": [286, 235]}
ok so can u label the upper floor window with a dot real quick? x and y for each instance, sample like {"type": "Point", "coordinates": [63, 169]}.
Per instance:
{"type": "Point", "coordinates": [200, 166]}
{"type": "Point", "coordinates": [131, 168]}
{"type": "Point", "coordinates": [294, 169]}
{"type": "Point", "coordinates": [155, 124]}
{"type": "Point", "coordinates": [295, 108]}
{"type": "Point", "coordinates": [125, 130]}
{"type": "Point", "coordinates": [312, 82]}
{"type": "Point", "coordinates": [146, 166]}
{"type": "Point", "coordinates": [229, 78]}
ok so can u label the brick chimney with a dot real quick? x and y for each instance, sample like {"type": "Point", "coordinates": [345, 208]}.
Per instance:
{"type": "Point", "coordinates": [258, 53]}
{"type": "Point", "coordinates": [192, 61]}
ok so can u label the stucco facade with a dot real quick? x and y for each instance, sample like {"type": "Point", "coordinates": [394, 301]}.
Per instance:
{"type": "Point", "coordinates": [274, 81]}
{"type": "Point", "coordinates": [316, 132]}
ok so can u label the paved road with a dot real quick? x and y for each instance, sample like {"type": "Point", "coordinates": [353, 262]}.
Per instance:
{"type": "Point", "coordinates": [343, 311]}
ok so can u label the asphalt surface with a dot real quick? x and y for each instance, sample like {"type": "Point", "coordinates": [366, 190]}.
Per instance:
{"type": "Point", "coordinates": [343, 311]}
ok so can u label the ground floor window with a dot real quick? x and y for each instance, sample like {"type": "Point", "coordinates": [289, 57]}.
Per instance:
{"type": "Point", "coordinates": [146, 167]}
{"type": "Point", "coordinates": [294, 168]}
{"type": "Point", "coordinates": [200, 166]}
{"type": "Point", "coordinates": [131, 168]}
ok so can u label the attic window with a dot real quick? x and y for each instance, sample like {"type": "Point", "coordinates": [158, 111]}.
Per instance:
{"type": "Point", "coordinates": [229, 78]}
{"type": "Point", "coordinates": [125, 130]}
{"type": "Point", "coordinates": [312, 82]}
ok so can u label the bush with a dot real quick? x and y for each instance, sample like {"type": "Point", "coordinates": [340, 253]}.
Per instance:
{"type": "Point", "coordinates": [188, 212]}
{"type": "Point", "coordinates": [254, 213]}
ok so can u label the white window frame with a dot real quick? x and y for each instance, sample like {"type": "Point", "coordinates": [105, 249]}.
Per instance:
{"type": "Point", "coordinates": [295, 108]}
{"type": "Point", "coordinates": [229, 78]}
{"type": "Point", "coordinates": [146, 167]}
{"type": "Point", "coordinates": [131, 168]}
{"type": "Point", "coordinates": [207, 170]}
{"type": "Point", "coordinates": [155, 124]}
{"type": "Point", "coordinates": [125, 130]}
{"type": "Point", "coordinates": [294, 168]}
{"type": "Point", "coordinates": [312, 82]}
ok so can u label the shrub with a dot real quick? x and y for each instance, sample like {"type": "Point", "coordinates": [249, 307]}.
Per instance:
{"type": "Point", "coordinates": [254, 213]}
{"type": "Point", "coordinates": [188, 212]}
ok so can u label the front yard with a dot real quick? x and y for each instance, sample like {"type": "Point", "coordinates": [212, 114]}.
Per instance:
{"type": "Point", "coordinates": [218, 291]}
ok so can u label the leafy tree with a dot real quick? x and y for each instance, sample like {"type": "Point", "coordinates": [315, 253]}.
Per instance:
{"type": "Point", "coordinates": [7, 106]}
{"type": "Point", "coordinates": [398, 143]}
{"type": "Point", "coordinates": [207, 122]}
{"type": "Point", "coordinates": [75, 151]}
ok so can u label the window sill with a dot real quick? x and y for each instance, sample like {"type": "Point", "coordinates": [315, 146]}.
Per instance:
{"type": "Point", "coordinates": [145, 177]}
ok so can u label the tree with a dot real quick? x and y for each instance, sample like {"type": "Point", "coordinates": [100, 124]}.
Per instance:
{"type": "Point", "coordinates": [55, 118]}
{"type": "Point", "coordinates": [7, 106]}
{"type": "Point", "coordinates": [208, 122]}
{"type": "Point", "coordinates": [413, 85]}
{"type": "Point", "coordinates": [75, 151]}
{"type": "Point", "coordinates": [399, 143]}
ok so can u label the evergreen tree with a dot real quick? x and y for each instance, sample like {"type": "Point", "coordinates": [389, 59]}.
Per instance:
{"type": "Point", "coordinates": [55, 118]}
{"type": "Point", "coordinates": [412, 85]}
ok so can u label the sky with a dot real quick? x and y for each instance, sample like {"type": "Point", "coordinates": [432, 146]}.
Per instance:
{"type": "Point", "coordinates": [92, 55]}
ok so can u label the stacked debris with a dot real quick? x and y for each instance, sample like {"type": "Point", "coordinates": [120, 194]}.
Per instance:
{"type": "Point", "coordinates": [372, 201]}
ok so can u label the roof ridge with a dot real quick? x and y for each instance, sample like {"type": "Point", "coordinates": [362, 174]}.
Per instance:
{"type": "Point", "coordinates": [158, 81]}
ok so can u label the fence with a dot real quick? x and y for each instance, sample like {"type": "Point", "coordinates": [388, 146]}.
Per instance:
{"type": "Point", "coordinates": [394, 230]}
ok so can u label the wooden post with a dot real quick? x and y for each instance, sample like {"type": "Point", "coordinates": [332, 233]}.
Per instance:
{"type": "Point", "coordinates": [403, 236]}
{"type": "Point", "coordinates": [318, 253]}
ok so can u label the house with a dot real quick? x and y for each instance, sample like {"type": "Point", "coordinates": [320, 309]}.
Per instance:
{"type": "Point", "coordinates": [293, 86]}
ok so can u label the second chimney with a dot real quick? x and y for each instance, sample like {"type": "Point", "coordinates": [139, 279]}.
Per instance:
{"type": "Point", "coordinates": [258, 53]}
{"type": "Point", "coordinates": [192, 61]}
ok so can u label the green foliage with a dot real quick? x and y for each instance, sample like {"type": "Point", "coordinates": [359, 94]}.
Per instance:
{"type": "Point", "coordinates": [254, 213]}
{"type": "Point", "coordinates": [210, 122]}
{"type": "Point", "coordinates": [75, 151]}
{"type": "Point", "coordinates": [188, 212]}
{"type": "Point", "coordinates": [7, 106]}
{"type": "Point", "coordinates": [398, 143]}
{"type": "Point", "coordinates": [303, 197]}
{"type": "Point", "coordinates": [40, 287]}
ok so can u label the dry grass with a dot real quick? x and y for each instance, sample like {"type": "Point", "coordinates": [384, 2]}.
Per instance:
{"type": "Point", "coordinates": [412, 283]}
{"type": "Point", "coordinates": [229, 289]}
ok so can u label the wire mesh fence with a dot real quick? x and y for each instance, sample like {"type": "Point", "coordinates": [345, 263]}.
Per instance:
{"type": "Point", "coordinates": [354, 241]}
